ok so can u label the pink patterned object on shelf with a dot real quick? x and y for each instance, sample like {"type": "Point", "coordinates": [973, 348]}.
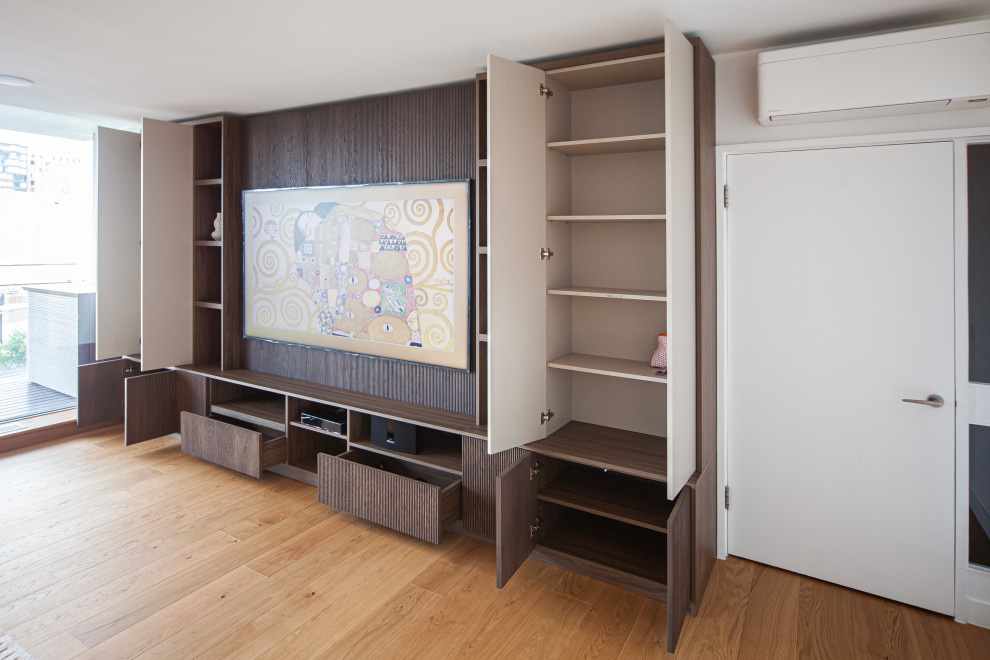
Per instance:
{"type": "Point", "coordinates": [659, 359]}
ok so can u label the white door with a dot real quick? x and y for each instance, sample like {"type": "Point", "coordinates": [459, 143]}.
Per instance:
{"type": "Point", "coordinates": [839, 296]}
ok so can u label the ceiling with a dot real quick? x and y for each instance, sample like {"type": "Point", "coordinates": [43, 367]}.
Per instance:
{"type": "Point", "coordinates": [112, 62]}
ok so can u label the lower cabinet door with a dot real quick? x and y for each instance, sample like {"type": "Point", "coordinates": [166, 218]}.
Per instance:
{"type": "Point", "coordinates": [408, 498]}
{"type": "Point", "coordinates": [241, 449]}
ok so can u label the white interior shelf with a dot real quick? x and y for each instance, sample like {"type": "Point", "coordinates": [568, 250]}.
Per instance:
{"type": "Point", "coordinates": [654, 217]}
{"type": "Point", "coordinates": [608, 366]}
{"type": "Point", "coordinates": [610, 145]}
{"type": "Point", "coordinates": [606, 74]}
{"type": "Point", "coordinates": [603, 292]}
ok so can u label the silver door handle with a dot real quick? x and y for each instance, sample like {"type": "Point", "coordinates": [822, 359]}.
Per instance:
{"type": "Point", "coordinates": [933, 400]}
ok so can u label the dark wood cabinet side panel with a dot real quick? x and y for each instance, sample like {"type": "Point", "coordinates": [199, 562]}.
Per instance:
{"type": "Point", "coordinates": [192, 393]}
{"type": "Point", "coordinates": [425, 135]}
{"type": "Point", "coordinates": [705, 257]}
{"type": "Point", "coordinates": [150, 407]}
{"type": "Point", "coordinates": [101, 393]}
{"type": "Point", "coordinates": [515, 511]}
{"type": "Point", "coordinates": [231, 294]}
{"type": "Point", "coordinates": [678, 567]}
{"type": "Point", "coordinates": [704, 511]}
{"type": "Point", "coordinates": [481, 469]}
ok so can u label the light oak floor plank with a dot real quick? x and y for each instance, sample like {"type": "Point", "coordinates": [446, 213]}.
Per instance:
{"type": "Point", "coordinates": [109, 551]}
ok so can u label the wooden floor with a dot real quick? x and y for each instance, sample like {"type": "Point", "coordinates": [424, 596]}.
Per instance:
{"type": "Point", "coordinates": [114, 552]}
{"type": "Point", "coordinates": [19, 397]}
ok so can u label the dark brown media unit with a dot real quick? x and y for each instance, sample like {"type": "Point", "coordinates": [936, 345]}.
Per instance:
{"type": "Point", "coordinates": [589, 498]}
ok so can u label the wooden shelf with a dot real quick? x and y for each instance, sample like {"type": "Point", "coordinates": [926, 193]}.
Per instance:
{"type": "Point", "coordinates": [261, 410]}
{"type": "Point", "coordinates": [606, 74]}
{"type": "Point", "coordinates": [626, 499]}
{"type": "Point", "coordinates": [608, 366]}
{"type": "Point", "coordinates": [622, 550]}
{"type": "Point", "coordinates": [433, 455]}
{"type": "Point", "coordinates": [599, 292]}
{"type": "Point", "coordinates": [208, 304]}
{"type": "Point", "coordinates": [612, 145]}
{"type": "Point", "coordinates": [443, 420]}
{"type": "Point", "coordinates": [300, 425]}
{"type": "Point", "coordinates": [135, 357]}
{"type": "Point", "coordinates": [208, 243]}
{"type": "Point", "coordinates": [636, 454]}
{"type": "Point", "coordinates": [608, 218]}
{"type": "Point", "coordinates": [208, 182]}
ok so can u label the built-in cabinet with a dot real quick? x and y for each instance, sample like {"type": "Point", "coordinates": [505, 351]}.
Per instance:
{"type": "Point", "coordinates": [588, 255]}
{"type": "Point", "coordinates": [579, 453]}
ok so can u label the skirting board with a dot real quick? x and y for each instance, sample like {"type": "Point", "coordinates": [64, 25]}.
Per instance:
{"type": "Point", "coordinates": [976, 607]}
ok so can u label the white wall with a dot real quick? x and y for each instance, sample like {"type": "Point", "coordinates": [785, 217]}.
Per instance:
{"type": "Point", "coordinates": [736, 104]}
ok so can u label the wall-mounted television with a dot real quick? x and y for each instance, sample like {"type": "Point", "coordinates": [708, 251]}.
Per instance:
{"type": "Point", "coordinates": [378, 269]}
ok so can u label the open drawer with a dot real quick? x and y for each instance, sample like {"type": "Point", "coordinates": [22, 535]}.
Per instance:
{"type": "Point", "coordinates": [412, 499]}
{"type": "Point", "coordinates": [231, 444]}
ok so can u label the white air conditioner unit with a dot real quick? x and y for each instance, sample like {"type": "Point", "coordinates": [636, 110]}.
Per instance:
{"type": "Point", "coordinates": [938, 68]}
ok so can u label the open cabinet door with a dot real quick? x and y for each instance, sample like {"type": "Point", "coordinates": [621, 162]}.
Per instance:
{"type": "Point", "coordinates": [150, 407]}
{"type": "Point", "coordinates": [101, 392]}
{"type": "Point", "coordinates": [515, 511]}
{"type": "Point", "coordinates": [166, 244]}
{"type": "Point", "coordinates": [681, 356]}
{"type": "Point", "coordinates": [517, 310]}
{"type": "Point", "coordinates": [118, 244]}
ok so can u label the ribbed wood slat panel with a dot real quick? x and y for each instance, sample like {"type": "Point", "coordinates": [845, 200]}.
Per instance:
{"type": "Point", "coordinates": [481, 471]}
{"type": "Point", "coordinates": [53, 341]}
{"type": "Point", "coordinates": [406, 505]}
{"type": "Point", "coordinates": [424, 135]}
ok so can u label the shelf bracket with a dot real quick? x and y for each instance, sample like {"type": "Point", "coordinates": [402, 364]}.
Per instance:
{"type": "Point", "coordinates": [545, 254]}
{"type": "Point", "coordinates": [546, 417]}
{"type": "Point", "coordinates": [545, 91]}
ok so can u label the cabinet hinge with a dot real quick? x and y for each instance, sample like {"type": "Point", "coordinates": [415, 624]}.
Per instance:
{"type": "Point", "coordinates": [725, 196]}
{"type": "Point", "coordinates": [545, 91]}
{"type": "Point", "coordinates": [534, 470]}
{"type": "Point", "coordinates": [726, 497]}
{"type": "Point", "coordinates": [546, 416]}
{"type": "Point", "coordinates": [535, 528]}
{"type": "Point", "coordinates": [545, 253]}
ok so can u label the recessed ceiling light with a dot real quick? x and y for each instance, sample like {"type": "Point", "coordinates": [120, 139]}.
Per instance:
{"type": "Point", "coordinates": [15, 81]}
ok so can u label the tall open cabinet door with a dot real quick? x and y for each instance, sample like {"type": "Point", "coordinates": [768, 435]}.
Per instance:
{"type": "Point", "coordinates": [118, 243]}
{"type": "Point", "coordinates": [166, 235]}
{"type": "Point", "coordinates": [516, 232]}
{"type": "Point", "coordinates": [680, 200]}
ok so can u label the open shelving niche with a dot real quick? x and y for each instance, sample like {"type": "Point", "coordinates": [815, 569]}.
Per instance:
{"type": "Point", "coordinates": [207, 253]}
{"type": "Point", "coordinates": [273, 405]}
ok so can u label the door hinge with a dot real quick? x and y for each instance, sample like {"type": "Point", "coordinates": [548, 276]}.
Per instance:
{"type": "Point", "coordinates": [534, 470]}
{"type": "Point", "coordinates": [545, 253]}
{"type": "Point", "coordinates": [725, 196]}
{"type": "Point", "coordinates": [546, 416]}
{"type": "Point", "coordinates": [545, 91]}
{"type": "Point", "coordinates": [726, 497]}
{"type": "Point", "coordinates": [535, 528]}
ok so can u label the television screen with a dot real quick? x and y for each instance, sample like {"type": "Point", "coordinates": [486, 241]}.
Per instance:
{"type": "Point", "coordinates": [381, 269]}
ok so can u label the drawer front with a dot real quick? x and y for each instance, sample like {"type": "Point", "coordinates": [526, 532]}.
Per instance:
{"type": "Point", "coordinates": [395, 501]}
{"type": "Point", "coordinates": [240, 449]}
